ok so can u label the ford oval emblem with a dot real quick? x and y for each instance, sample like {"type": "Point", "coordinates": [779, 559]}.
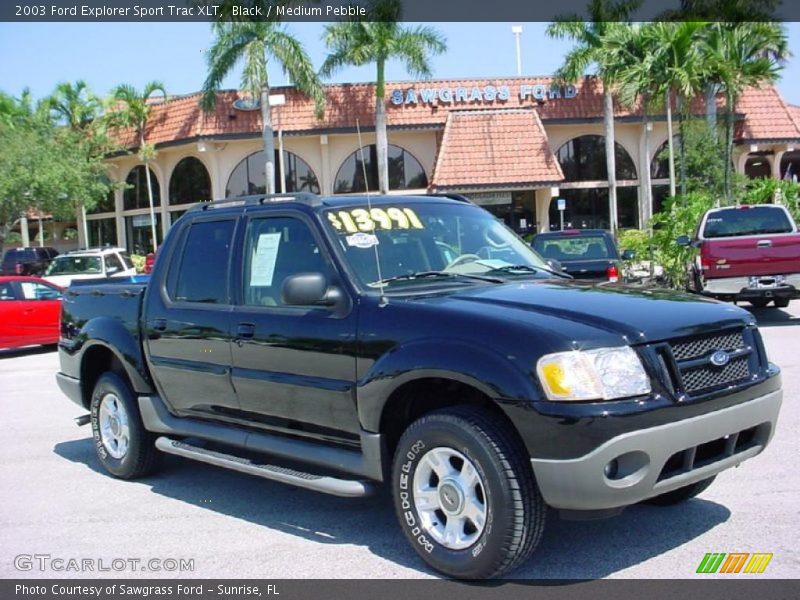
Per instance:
{"type": "Point", "coordinates": [720, 358]}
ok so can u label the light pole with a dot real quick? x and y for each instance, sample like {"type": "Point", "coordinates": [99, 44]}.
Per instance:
{"type": "Point", "coordinates": [517, 31]}
{"type": "Point", "coordinates": [279, 100]}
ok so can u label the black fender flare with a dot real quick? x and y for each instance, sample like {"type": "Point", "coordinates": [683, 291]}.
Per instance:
{"type": "Point", "coordinates": [493, 374]}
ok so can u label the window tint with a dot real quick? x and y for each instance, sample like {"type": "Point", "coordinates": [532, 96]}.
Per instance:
{"type": "Point", "coordinates": [275, 249]}
{"type": "Point", "coordinates": [6, 292]}
{"type": "Point", "coordinates": [585, 247]}
{"type": "Point", "coordinates": [113, 262]}
{"type": "Point", "coordinates": [203, 269]}
{"type": "Point", "coordinates": [747, 220]}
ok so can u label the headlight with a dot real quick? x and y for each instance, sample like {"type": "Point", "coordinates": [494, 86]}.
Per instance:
{"type": "Point", "coordinates": [602, 374]}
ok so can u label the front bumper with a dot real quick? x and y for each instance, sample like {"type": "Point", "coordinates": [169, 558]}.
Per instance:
{"type": "Point", "coordinates": [659, 459]}
{"type": "Point", "coordinates": [71, 387]}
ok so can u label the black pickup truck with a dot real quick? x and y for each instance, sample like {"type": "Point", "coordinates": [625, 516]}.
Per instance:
{"type": "Point", "coordinates": [339, 343]}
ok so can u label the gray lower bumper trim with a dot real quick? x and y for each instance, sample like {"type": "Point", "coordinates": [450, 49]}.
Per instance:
{"type": "Point", "coordinates": [581, 484]}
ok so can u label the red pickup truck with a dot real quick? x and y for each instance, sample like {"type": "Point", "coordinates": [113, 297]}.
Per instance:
{"type": "Point", "coordinates": [746, 253]}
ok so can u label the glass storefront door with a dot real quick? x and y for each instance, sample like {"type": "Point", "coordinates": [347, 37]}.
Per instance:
{"type": "Point", "coordinates": [139, 234]}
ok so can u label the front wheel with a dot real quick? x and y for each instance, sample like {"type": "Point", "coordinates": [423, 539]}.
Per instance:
{"type": "Point", "coordinates": [465, 495]}
{"type": "Point", "coordinates": [682, 494]}
{"type": "Point", "coordinates": [125, 448]}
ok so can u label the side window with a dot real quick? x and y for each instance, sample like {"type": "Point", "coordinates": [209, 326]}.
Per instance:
{"type": "Point", "coordinates": [276, 248]}
{"type": "Point", "coordinates": [6, 292]}
{"type": "Point", "coordinates": [38, 291]}
{"type": "Point", "coordinates": [203, 267]}
{"type": "Point", "coordinates": [126, 260]}
{"type": "Point", "coordinates": [112, 262]}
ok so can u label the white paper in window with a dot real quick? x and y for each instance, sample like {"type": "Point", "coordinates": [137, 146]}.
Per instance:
{"type": "Point", "coordinates": [263, 266]}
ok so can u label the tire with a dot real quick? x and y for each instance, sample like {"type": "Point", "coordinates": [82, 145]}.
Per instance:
{"type": "Point", "coordinates": [681, 494]}
{"type": "Point", "coordinates": [123, 446]}
{"type": "Point", "coordinates": [781, 302]}
{"type": "Point", "coordinates": [759, 302]}
{"type": "Point", "coordinates": [489, 491]}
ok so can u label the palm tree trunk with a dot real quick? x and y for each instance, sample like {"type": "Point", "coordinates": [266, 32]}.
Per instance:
{"type": "Point", "coordinates": [381, 141]}
{"type": "Point", "coordinates": [611, 163]}
{"type": "Point", "coordinates": [269, 142]}
{"type": "Point", "coordinates": [150, 199]}
{"type": "Point", "coordinates": [671, 145]}
{"type": "Point", "coordinates": [711, 109]}
{"type": "Point", "coordinates": [681, 105]}
{"type": "Point", "coordinates": [730, 100]}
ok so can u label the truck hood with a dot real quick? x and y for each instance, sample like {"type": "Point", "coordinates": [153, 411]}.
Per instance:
{"type": "Point", "coordinates": [639, 315]}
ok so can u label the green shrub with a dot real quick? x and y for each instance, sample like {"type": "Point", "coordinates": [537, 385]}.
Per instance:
{"type": "Point", "coordinates": [138, 262]}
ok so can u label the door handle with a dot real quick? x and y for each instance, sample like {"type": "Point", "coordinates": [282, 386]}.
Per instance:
{"type": "Point", "coordinates": [160, 324]}
{"type": "Point", "coordinates": [764, 243]}
{"type": "Point", "coordinates": [245, 331]}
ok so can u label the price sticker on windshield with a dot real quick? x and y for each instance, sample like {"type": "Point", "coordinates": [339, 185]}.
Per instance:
{"type": "Point", "coordinates": [358, 220]}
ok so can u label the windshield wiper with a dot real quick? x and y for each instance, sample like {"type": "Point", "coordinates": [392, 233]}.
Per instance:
{"type": "Point", "coordinates": [522, 268]}
{"type": "Point", "coordinates": [438, 274]}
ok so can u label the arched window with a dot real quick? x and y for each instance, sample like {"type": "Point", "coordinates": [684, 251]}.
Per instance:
{"type": "Point", "coordinates": [584, 159]}
{"type": "Point", "coordinates": [189, 182]}
{"type": "Point", "coordinates": [659, 166]}
{"type": "Point", "coordinates": [757, 167]}
{"type": "Point", "coordinates": [249, 175]}
{"type": "Point", "coordinates": [135, 195]}
{"type": "Point", "coordinates": [790, 166]}
{"type": "Point", "coordinates": [405, 171]}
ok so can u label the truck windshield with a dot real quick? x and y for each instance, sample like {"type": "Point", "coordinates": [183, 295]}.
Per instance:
{"type": "Point", "coordinates": [429, 237]}
{"type": "Point", "coordinates": [747, 220]}
{"type": "Point", "coordinates": [73, 265]}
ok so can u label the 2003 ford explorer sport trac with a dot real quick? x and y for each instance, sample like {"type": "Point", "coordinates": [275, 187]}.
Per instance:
{"type": "Point", "coordinates": [414, 341]}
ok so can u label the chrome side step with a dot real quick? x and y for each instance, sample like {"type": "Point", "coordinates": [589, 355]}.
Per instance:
{"type": "Point", "coordinates": [328, 485]}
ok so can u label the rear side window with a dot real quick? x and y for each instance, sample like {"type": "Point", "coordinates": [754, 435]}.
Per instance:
{"type": "Point", "coordinates": [747, 220]}
{"type": "Point", "coordinates": [203, 267]}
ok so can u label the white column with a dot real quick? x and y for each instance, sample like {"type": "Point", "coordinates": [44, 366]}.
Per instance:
{"type": "Point", "coordinates": [325, 177]}
{"type": "Point", "coordinates": [23, 229]}
{"type": "Point", "coordinates": [776, 163]}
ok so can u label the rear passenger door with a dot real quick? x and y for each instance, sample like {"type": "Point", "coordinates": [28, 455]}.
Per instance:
{"type": "Point", "coordinates": [187, 320]}
{"type": "Point", "coordinates": [293, 366]}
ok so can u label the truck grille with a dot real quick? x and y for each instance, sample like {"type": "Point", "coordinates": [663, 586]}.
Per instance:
{"type": "Point", "coordinates": [712, 361]}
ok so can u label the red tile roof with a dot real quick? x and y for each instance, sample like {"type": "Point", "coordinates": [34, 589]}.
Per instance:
{"type": "Point", "coordinates": [766, 115]}
{"type": "Point", "coordinates": [494, 148]}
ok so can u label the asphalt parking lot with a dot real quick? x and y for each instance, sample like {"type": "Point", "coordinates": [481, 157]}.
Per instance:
{"type": "Point", "coordinates": [56, 501]}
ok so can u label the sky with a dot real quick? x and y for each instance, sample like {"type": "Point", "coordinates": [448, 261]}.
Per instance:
{"type": "Point", "coordinates": [40, 55]}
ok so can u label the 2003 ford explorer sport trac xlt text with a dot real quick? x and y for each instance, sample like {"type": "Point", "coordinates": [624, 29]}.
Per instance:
{"type": "Point", "coordinates": [414, 341]}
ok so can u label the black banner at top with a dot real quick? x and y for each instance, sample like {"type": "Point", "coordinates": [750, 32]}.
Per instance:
{"type": "Point", "coordinates": [410, 10]}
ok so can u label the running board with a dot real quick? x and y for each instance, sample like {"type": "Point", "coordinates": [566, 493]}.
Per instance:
{"type": "Point", "coordinates": [319, 483]}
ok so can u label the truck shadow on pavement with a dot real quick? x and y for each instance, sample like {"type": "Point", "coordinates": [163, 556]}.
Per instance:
{"type": "Point", "coordinates": [773, 317]}
{"type": "Point", "coordinates": [569, 550]}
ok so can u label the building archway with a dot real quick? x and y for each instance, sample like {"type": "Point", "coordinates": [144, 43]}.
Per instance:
{"type": "Point", "coordinates": [189, 182]}
{"type": "Point", "coordinates": [135, 194]}
{"type": "Point", "coordinates": [249, 177]}
{"type": "Point", "coordinates": [405, 171]}
{"type": "Point", "coordinates": [585, 187]}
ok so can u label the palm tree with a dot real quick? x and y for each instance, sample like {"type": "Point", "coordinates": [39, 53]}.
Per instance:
{"type": "Point", "coordinates": [133, 110]}
{"type": "Point", "coordinates": [741, 55]}
{"type": "Point", "coordinates": [590, 51]}
{"type": "Point", "coordinates": [74, 105]}
{"type": "Point", "coordinates": [359, 43]}
{"type": "Point", "coordinates": [255, 43]}
{"type": "Point", "coordinates": [678, 71]}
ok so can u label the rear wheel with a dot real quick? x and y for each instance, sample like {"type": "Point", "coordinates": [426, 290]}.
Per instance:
{"type": "Point", "coordinates": [781, 302]}
{"type": "Point", "coordinates": [465, 495]}
{"type": "Point", "coordinates": [124, 447]}
{"type": "Point", "coordinates": [681, 494]}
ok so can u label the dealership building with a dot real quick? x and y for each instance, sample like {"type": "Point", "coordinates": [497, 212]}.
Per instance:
{"type": "Point", "coordinates": [513, 145]}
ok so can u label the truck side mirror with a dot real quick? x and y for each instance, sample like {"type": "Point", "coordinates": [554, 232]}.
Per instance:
{"type": "Point", "coordinates": [308, 289]}
{"type": "Point", "coordinates": [554, 265]}
{"type": "Point", "coordinates": [683, 240]}
{"type": "Point", "coordinates": [628, 254]}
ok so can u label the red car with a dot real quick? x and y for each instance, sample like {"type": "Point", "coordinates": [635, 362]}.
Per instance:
{"type": "Point", "coordinates": [30, 312]}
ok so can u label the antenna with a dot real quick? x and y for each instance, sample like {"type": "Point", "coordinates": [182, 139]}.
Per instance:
{"type": "Point", "coordinates": [369, 208]}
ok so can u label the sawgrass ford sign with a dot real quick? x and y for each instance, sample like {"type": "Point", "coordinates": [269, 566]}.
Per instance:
{"type": "Point", "coordinates": [487, 94]}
